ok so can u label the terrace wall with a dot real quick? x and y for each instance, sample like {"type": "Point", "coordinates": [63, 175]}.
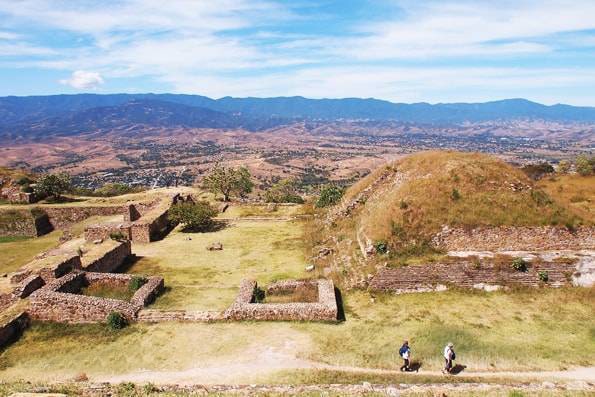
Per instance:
{"type": "Point", "coordinates": [23, 222]}
{"type": "Point", "coordinates": [508, 238]}
{"type": "Point", "coordinates": [421, 278]}
{"type": "Point", "coordinates": [64, 217]}
{"type": "Point", "coordinates": [48, 268]}
{"type": "Point", "coordinates": [102, 231]}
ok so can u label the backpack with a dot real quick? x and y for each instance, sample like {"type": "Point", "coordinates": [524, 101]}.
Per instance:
{"type": "Point", "coordinates": [452, 355]}
{"type": "Point", "coordinates": [402, 350]}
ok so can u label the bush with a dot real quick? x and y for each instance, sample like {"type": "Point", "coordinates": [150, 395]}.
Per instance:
{"type": "Point", "coordinates": [543, 276]}
{"type": "Point", "coordinates": [195, 216]}
{"type": "Point", "coordinates": [455, 195]}
{"type": "Point", "coordinates": [116, 321]}
{"type": "Point", "coordinates": [285, 191]}
{"type": "Point", "coordinates": [537, 171]}
{"type": "Point", "coordinates": [118, 236]}
{"type": "Point", "coordinates": [136, 283]}
{"type": "Point", "coordinates": [26, 189]}
{"type": "Point", "coordinates": [519, 264]}
{"type": "Point", "coordinates": [585, 166]}
{"type": "Point", "coordinates": [381, 247]}
{"type": "Point", "coordinates": [403, 205]}
{"type": "Point", "coordinates": [24, 181]}
{"type": "Point", "coordinates": [258, 295]}
{"type": "Point", "coordinates": [329, 195]}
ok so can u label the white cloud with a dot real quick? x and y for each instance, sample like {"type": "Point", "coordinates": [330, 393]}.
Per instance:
{"type": "Point", "coordinates": [81, 80]}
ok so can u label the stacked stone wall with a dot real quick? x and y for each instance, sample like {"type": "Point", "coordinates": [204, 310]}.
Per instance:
{"type": "Point", "coordinates": [103, 231]}
{"type": "Point", "coordinates": [110, 260]}
{"type": "Point", "coordinates": [420, 278]}
{"type": "Point", "coordinates": [509, 238]}
{"type": "Point", "coordinates": [64, 217]}
{"type": "Point", "coordinates": [28, 286]}
{"type": "Point", "coordinates": [24, 222]}
{"type": "Point", "coordinates": [324, 310]}
{"type": "Point", "coordinates": [59, 301]}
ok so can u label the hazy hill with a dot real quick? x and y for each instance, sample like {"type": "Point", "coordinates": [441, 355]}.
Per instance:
{"type": "Point", "coordinates": [35, 108]}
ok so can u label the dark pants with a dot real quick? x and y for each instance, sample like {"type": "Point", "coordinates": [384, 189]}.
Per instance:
{"type": "Point", "coordinates": [447, 364]}
{"type": "Point", "coordinates": [405, 364]}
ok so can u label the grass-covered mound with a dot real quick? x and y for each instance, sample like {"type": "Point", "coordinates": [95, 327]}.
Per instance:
{"type": "Point", "coordinates": [425, 191]}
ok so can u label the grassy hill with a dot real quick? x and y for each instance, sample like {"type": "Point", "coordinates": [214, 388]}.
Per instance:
{"type": "Point", "coordinates": [405, 203]}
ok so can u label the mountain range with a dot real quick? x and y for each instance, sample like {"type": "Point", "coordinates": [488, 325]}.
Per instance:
{"type": "Point", "coordinates": [36, 116]}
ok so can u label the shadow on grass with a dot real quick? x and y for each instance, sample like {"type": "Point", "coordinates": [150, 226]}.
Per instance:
{"type": "Point", "coordinates": [128, 263]}
{"type": "Point", "coordinates": [213, 227]}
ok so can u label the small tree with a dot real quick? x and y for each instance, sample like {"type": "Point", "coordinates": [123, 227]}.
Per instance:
{"type": "Point", "coordinates": [228, 181]}
{"type": "Point", "coordinates": [195, 216]}
{"type": "Point", "coordinates": [564, 167]}
{"type": "Point", "coordinates": [584, 165]}
{"type": "Point", "coordinates": [329, 195]}
{"type": "Point", "coordinates": [284, 191]}
{"type": "Point", "coordinates": [53, 185]}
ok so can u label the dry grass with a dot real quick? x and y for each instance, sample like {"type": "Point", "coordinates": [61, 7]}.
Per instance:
{"type": "Point", "coordinates": [575, 192]}
{"type": "Point", "coordinates": [17, 253]}
{"type": "Point", "coordinates": [108, 291]}
{"type": "Point", "coordinates": [457, 189]}
{"type": "Point", "coordinates": [304, 293]}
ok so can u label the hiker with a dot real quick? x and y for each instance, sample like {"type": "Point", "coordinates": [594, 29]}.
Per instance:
{"type": "Point", "coordinates": [405, 353]}
{"type": "Point", "coordinates": [449, 356]}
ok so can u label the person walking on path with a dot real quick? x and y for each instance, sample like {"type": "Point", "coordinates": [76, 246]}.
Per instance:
{"type": "Point", "coordinates": [449, 356]}
{"type": "Point", "coordinates": [405, 353]}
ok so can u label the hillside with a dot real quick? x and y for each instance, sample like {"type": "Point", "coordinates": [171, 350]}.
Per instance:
{"type": "Point", "coordinates": [405, 203]}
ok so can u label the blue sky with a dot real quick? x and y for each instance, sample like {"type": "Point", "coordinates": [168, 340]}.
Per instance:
{"type": "Point", "coordinates": [399, 50]}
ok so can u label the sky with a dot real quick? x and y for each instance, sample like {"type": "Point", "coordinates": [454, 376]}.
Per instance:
{"type": "Point", "coordinates": [398, 50]}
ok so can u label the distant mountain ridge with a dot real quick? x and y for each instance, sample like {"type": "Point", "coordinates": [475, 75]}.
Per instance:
{"type": "Point", "coordinates": [70, 114]}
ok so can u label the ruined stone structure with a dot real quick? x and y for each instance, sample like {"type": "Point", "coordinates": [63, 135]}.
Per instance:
{"type": "Point", "coordinates": [24, 222]}
{"type": "Point", "coordinates": [104, 231]}
{"type": "Point", "coordinates": [114, 255]}
{"type": "Point", "coordinates": [48, 268]}
{"type": "Point", "coordinates": [430, 277]}
{"type": "Point", "coordinates": [60, 300]}
{"type": "Point", "coordinates": [245, 308]}
{"type": "Point", "coordinates": [509, 238]}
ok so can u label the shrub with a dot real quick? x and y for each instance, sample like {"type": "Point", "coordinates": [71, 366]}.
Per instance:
{"type": "Point", "coordinates": [563, 167]}
{"type": "Point", "coordinates": [118, 236]}
{"type": "Point", "coordinates": [24, 181]}
{"type": "Point", "coordinates": [519, 264]}
{"type": "Point", "coordinates": [195, 216]}
{"type": "Point", "coordinates": [540, 197]}
{"type": "Point", "coordinates": [543, 276]}
{"type": "Point", "coordinates": [381, 247]}
{"type": "Point", "coordinates": [26, 189]}
{"type": "Point", "coordinates": [403, 205]}
{"type": "Point", "coordinates": [285, 191]}
{"type": "Point", "coordinates": [455, 195]}
{"type": "Point", "coordinates": [329, 195]}
{"type": "Point", "coordinates": [537, 171]}
{"type": "Point", "coordinates": [258, 295]}
{"type": "Point", "coordinates": [116, 321]}
{"type": "Point", "coordinates": [136, 283]}
{"type": "Point", "coordinates": [584, 165]}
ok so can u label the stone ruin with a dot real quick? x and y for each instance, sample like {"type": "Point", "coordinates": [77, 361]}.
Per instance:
{"type": "Point", "coordinates": [61, 300]}
{"type": "Point", "coordinates": [245, 306]}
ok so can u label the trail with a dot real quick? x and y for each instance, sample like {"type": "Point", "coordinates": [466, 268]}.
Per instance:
{"type": "Point", "coordinates": [269, 361]}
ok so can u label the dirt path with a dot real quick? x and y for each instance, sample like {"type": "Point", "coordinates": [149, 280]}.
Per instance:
{"type": "Point", "coordinates": [269, 361]}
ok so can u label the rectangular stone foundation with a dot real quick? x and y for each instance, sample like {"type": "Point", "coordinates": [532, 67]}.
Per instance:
{"type": "Point", "coordinates": [325, 309]}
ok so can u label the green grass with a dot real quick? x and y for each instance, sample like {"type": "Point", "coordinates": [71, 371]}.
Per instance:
{"type": "Point", "coordinates": [18, 252]}
{"type": "Point", "coordinates": [200, 279]}
{"type": "Point", "coordinates": [12, 239]}
{"type": "Point", "coordinates": [107, 291]}
{"type": "Point", "coordinates": [521, 330]}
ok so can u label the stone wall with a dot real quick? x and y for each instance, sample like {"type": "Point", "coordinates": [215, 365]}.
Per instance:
{"type": "Point", "coordinates": [59, 302]}
{"type": "Point", "coordinates": [508, 238]}
{"type": "Point", "coordinates": [28, 286]}
{"type": "Point", "coordinates": [102, 231]}
{"type": "Point", "coordinates": [63, 217]}
{"type": "Point", "coordinates": [24, 222]}
{"type": "Point", "coordinates": [323, 310]}
{"type": "Point", "coordinates": [12, 328]}
{"type": "Point", "coordinates": [439, 276]}
{"type": "Point", "coordinates": [149, 229]}
{"type": "Point", "coordinates": [110, 260]}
